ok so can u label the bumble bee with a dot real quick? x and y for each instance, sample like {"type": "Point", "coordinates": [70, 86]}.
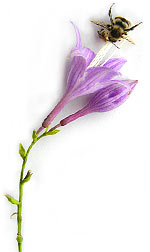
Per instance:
{"type": "Point", "coordinates": [116, 30]}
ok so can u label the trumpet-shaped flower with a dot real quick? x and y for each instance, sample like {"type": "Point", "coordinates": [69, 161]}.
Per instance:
{"type": "Point", "coordinates": [105, 99]}
{"type": "Point", "coordinates": [84, 78]}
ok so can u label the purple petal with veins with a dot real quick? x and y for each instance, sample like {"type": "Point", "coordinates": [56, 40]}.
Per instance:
{"type": "Point", "coordinates": [115, 63]}
{"type": "Point", "coordinates": [77, 70]}
{"type": "Point", "coordinates": [94, 79]}
{"type": "Point", "coordinates": [111, 96]}
{"type": "Point", "coordinates": [88, 54]}
{"type": "Point", "coordinates": [105, 99]}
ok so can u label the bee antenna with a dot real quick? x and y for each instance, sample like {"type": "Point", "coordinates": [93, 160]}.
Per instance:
{"type": "Point", "coordinates": [110, 14]}
{"type": "Point", "coordinates": [112, 5]}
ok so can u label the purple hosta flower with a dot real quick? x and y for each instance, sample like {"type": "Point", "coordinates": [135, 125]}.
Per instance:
{"type": "Point", "coordinates": [105, 99]}
{"type": "Point", "coordinates": [83, 77]}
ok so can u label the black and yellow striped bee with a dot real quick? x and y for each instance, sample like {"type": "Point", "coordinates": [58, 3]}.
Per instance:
{"type": "Point", "coordinates": [116, 30]}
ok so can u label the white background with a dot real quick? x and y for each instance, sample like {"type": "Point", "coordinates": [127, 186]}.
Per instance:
{"type": "Point", "coordinates": [91, 185]}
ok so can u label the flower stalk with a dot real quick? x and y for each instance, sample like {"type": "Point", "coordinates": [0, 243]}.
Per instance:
{"type": "Point", "coordinates": [25, 179]}
{"type": "Point", "coordinates": [19, 210]}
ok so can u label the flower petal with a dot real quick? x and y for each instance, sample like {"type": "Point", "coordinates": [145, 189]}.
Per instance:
{"type": "Point", "coordinates": [115, 63]}
{"type": "Point", "coordinates": [78, 38]}
{"type": "Point", "coordinates": [79, 51]}
{"type": "Point", "coordinates": [111, 97]}
{"type": "Point", "coordinates": [94, 79]}
{"type": "Point", "coordinates": [77, 69]}
{"type": "Point", "coordinates": [106, 99]}
{"type": "Point", "coordinates": [88, 54]}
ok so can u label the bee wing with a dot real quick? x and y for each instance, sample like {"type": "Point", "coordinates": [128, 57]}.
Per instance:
{"type": "Point", "coordinates": [99, 23]}
{"type": "Point", "coordinates": [128, 38]}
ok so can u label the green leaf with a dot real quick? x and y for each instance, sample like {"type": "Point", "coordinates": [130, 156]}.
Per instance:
{"type": "Point", "coordinates": [27, 177]}
{"type": "Point", "coordinates": [13, 214]}
{"type": "Point", "coordinates": [12, 200]}
{"type": "Point", "coordinates": [53, 132]}
{"type": "Point", "coordinates": [34, 136]}
{"type": "Point", "coordinates": [22, 151]}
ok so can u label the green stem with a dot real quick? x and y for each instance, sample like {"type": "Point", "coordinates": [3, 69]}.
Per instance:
{"type": "Point", "coordinates": [21, 184]}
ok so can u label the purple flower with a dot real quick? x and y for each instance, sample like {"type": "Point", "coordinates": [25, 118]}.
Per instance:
{"type": "Point", "coordinates": [83, 78]}
{"type": "Point", "coordinates": [105, 99]}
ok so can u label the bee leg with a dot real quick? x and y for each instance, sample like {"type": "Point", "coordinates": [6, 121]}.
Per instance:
{"type": "Point", "coordinates": [102, 34]}
{"type": "Point", "coordinates": [133, 27]}
{"type": "Point", "coordinates": [128, 39]}
{"type": "Point", "coordinates": [110, 14]}
{"type": "Point", "coordinates": [99, 23]}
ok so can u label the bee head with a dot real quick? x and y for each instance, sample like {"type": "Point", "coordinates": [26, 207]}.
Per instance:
{"type": "Point", "coordinates": [122, 22]}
